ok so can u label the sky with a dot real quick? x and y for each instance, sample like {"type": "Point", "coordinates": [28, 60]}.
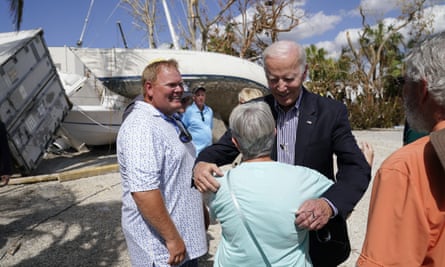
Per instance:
{"type": "Point", "coordinates": [325, 23]}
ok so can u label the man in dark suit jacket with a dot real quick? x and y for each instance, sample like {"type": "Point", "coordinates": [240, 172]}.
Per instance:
{"type": "Point", "coordinates": [310, 130]}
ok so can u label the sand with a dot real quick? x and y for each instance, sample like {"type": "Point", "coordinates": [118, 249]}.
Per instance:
{"type": "Point", "coordinates": [77, 222]}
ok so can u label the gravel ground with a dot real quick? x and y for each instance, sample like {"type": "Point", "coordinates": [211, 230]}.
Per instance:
{"type": "Point", "coordinates": [77, 222]}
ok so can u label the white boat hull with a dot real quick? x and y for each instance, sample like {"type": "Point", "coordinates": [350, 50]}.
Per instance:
{"type": "Point", "coordinates": [93, 125]}
{"type": "Point", "coordinates": [110, 78]}
{"type": "Point", "coordinates": [120, 69]}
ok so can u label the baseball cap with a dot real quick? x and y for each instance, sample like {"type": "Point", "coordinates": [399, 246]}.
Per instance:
{"type": "Point", "coordinates": [198, 88]}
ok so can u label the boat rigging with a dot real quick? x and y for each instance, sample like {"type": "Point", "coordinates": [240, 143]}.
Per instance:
{"type": "Point", "coordinates": [79, 43]}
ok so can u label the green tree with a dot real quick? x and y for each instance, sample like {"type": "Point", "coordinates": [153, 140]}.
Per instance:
{"type": "Point", "coordinates": [316, 59]}
{"type": "Point", "coordinates": [222, 43]}
{"type": "Point", "coordinates": [327, 76]}
{"type": "Point", "coordinates": [377, 59]}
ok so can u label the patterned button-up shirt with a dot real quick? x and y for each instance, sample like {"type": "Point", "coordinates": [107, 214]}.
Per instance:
{"type": "Point", "coordinates": [150, 157]}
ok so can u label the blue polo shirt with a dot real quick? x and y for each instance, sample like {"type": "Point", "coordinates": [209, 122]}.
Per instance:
{"type": "Point", "coordinates": [199, 124]}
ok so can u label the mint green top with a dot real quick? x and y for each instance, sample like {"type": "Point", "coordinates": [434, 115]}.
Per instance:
{"type": "Point", "coordinates": [269, 194]}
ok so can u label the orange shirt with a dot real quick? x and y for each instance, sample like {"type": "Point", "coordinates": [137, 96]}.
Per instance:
{"type": "Point", "coordinates": [406, 220]}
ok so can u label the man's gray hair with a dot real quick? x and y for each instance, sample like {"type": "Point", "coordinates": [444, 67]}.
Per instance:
{"type": "Point", "coordinates": [426, 62]}
{"type": "Point", "coordinates": [284, 49]}
{"type": "Point", "coordinates": [253, 126]}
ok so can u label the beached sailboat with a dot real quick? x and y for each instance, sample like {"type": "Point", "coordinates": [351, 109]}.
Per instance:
{"type": "Point", "coordinates": [101, 82]}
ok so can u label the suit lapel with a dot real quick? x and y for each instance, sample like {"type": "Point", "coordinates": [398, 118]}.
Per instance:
{"type": "Point", "coordinates": [270, 101]}
{"type": "Point", "coordinates": [306, 124]}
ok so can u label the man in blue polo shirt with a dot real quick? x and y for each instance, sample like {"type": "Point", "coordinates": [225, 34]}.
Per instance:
{"type": "Point", "coordinates": [198, 119]}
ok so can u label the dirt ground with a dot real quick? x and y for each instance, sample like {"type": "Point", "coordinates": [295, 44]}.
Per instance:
{"type": "Point", "coordinates": [74, 221]}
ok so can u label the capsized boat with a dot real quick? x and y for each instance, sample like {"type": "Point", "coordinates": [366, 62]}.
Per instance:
{"type": "Point", "coordinates": [107, 79]}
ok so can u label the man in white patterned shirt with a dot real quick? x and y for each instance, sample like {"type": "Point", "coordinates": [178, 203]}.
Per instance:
{"type": "Point", "coordinates": [162, 217]}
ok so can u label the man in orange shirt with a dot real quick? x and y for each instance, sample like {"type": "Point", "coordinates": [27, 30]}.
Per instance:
{"type": "Point", "coordinates": [406, 220]}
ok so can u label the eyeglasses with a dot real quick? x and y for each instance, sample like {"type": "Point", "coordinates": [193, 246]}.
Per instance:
{"type": "Point", "coordinates": [184, 135]}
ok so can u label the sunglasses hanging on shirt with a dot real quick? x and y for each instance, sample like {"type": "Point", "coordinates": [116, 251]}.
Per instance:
{"type": "Point", "coordinates": [184, 135]}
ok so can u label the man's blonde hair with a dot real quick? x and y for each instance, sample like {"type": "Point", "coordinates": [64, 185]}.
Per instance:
{"type": "Point", "coordinates": [150, 73]}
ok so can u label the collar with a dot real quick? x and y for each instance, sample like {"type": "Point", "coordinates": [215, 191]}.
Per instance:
{"type": "Point", "coordinates": [297, 103]}
{"type": "Point", "coordinates": [156, 112]}
{"type": "Point", "coordinates": [197, 108]}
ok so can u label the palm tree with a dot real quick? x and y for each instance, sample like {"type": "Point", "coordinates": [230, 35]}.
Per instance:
{"type": "Point", "coordinates": [316, 58]}
{"type": "Point", "coordinates": [16, 10]}
{"type": "Point", "coordinates": [325, 73]}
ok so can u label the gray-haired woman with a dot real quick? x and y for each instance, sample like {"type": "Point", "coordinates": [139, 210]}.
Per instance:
{"type": "Point", "coordinates": [262, 230]}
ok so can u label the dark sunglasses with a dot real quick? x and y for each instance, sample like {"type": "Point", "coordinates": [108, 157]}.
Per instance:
{"type": "Point", "coordinates": [184, 135]}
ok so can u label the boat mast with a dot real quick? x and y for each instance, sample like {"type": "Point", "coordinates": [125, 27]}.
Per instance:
{"type": "Point", "coordinates": [170, 26]}
{"type": "Point", "coordinates": [122, 34]}
{"type": "Point", "coordinates": [79, 43]}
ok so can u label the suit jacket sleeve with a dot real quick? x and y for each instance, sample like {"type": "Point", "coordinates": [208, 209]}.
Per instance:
{"type": "Point", "coordinates": [353, 171]}
{"type": "Point", "coordinates": [224, 151]}
{"type": "Point", "coordinates": [221, 153]}
{"type": "Point", "coordinates": [324, 131]}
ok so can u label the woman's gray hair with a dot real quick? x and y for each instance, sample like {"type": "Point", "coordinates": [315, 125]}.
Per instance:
{"type": "Point", "coordinates": [426, 62]}
{"type": "Point", "coordinates": [253, 126]}
{"type": "Point", "coordinates": [284, 49]}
